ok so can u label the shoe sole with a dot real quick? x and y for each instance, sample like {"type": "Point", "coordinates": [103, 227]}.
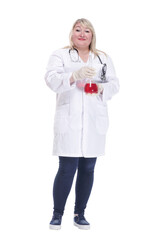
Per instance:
{"type": "Point", "coordinates": [83, 227]}
{"type": "Point", "coordinates": [55, 227]}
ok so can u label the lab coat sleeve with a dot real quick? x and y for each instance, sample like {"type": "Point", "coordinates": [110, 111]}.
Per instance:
{"type": "Point", "coordinates": [112, 85]}
{"type": "Point", "coordinates": [56, 77]}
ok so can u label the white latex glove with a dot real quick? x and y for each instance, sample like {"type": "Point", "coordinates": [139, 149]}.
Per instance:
{"type": "Point", "coordinates": [84, 72]}
{"type": "Point", "coordinates": [100, 88]}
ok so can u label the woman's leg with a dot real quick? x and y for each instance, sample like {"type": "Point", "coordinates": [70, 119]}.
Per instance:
{"type": "Point", "coordinates": [63, 182]}
{"type": "Point", "coordinates": [84, 183]}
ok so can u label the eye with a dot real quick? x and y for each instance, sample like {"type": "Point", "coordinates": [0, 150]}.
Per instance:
{"type": "Point", "coordinates": [87, 31]}
{"type": "Point", "coordinates": [77, 30]}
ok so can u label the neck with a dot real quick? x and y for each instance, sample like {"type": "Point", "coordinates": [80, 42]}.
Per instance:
{"type": "Point", "coordinates": [83, 51]}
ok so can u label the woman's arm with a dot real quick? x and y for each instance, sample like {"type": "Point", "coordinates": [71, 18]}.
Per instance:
{"type": "Point", "coordinates": [56, 77]}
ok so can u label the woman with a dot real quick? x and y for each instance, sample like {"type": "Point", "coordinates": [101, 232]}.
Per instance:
{"type": "Point", "coordinates": [81, 120]}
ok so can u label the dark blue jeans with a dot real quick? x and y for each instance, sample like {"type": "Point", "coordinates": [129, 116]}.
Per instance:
{"type": "Point", "coordinates": [64, 179]}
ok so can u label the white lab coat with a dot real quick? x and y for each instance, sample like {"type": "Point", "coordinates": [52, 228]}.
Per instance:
{"type": "Point", "coordinates": [81, 120]}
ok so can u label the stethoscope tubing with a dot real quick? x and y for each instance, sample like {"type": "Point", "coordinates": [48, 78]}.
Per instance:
{"type": "Point", "coordinates": [104, 68]}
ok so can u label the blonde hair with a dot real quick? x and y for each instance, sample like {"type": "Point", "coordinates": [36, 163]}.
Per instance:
{"type": "Point", "coordinates": [88, 24]}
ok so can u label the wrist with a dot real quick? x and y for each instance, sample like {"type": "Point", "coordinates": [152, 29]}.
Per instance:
{"type": "Point", "coordinates": [72, 80]}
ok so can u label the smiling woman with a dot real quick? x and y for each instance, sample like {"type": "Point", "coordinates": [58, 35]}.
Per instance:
{"type": "Point", "coordinates": [80, 26]}
{"type": "Point", "coordinates": [81, 38]}
{"type": "Point", "coordinates": [81, 120]}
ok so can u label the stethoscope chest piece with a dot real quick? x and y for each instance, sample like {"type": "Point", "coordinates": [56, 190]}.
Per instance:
{"type": "Point", "coordinates": [103, 73]}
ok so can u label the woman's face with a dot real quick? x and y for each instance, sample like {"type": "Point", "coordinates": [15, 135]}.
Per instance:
{"type": "Point", "coordinates": [81, 37]}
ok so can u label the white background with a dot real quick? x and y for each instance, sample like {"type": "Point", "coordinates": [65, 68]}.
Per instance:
{"type": "Point", "coordinates": [125, 199]}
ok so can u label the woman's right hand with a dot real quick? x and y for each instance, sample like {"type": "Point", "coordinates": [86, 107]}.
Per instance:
{"type": "Point", "coordinates": [84, 72]}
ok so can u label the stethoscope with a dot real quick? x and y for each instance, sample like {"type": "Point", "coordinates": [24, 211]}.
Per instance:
{"type": "Point", "coordinates": [75, 58]}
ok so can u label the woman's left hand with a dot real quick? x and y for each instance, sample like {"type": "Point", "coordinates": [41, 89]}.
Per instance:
{"type": "Point", "coordinates": [100, 89]}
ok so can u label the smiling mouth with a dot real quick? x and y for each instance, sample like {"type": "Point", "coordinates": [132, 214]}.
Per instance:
{"type": "Point", "coordinates": [81, 39]}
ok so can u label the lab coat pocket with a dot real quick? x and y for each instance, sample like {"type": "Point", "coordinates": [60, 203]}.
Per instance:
{"type": "Point", "coordinates": [62, 110]}
{"type": "Point", "coordinates": [60, 124]}
{"type": "Point", "coordinates": [102, 124]}
{"type": "Point", "coordinates": [102, 119]}
{"type": "Point", "coordinates": [63, 98]}
{"type": "Point", "coordinates": [75, 122]}
{"type": "Point", "coordinates": [61, 119]}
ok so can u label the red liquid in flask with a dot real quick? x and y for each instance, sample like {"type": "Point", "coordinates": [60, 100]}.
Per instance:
{"type": "Point", "coordinates": [91, 88]}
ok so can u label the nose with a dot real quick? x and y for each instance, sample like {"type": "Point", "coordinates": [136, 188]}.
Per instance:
{"type": "Point", "coordinates": [82, 33]}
